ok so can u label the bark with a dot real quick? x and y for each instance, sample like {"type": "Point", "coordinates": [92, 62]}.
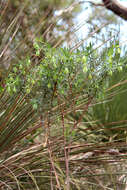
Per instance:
{"type": "Point", "coordinates": [116, 8]}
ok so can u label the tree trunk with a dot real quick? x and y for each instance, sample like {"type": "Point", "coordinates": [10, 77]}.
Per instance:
{"type": "Point", "coordinates": [116, 8]}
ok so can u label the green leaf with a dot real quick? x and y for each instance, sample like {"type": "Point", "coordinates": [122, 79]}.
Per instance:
{"type": "Point", "coordinates": [1, 89]}
{"type": "Point", "coordinates": [15, 69]}
{"type": "Point", "coordinates": [119, 50]}
{"type": "Point", "coordinates": [90, 76]}
{"type": "Point", "coordinates": [49, 85]}
{"type": "Point", "coordinates": [28, 90]}
{"type": "Point", "coordinates": [120, 68]}
{"type": "Point", "coordinates": [37, 52]}
{"type": "Point", "coordinates": [110, 51]}
{"type": "Point", "coordinates": [110, 72]}
{"type": "Point", "coordinates": [66, 71]}
{"type": "Point", "coordinates": [84, 59]}
{"type": "Point", "coordinates": [36, 46]}
{"type": "Point", "coordinates": [35, 106]}
{"type": "Point", "coordinates": [14, 89]}
{"type": "Point", "coordinates": [85, 69]}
